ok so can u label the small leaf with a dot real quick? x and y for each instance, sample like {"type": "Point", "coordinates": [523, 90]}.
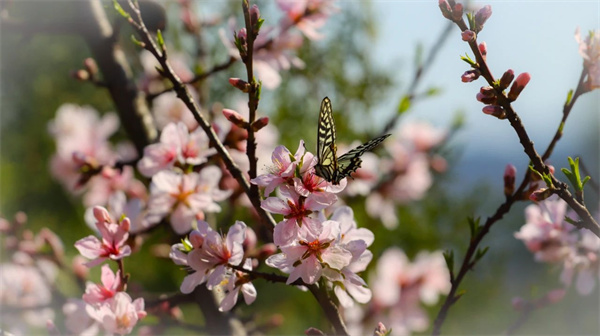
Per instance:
{"type": "Point", "coordinates": [471, 20]}
{"type": "Point", "coordinates": [468, 59]}
{"type": "Point", "coordinates": [120, 10]}
{"type": "Point", "coordinates": [260, 23]}
{"type": "Point", "coordinates": [449, 257]}
{"type": "Point", "coordinates": [138, 42]}
{"type": "Point", "coordinates": [569, 97]}
{"type": "Point", "coordinates": [584, 181]}
{"type": "Point", "coordinates": [481, 252]}
{"type": "Point", "coordinates": [571, 221]}
{"type": "Point", "coordinates": [404, 104]}
{"type": "Point", "coordinates": [159, 39]}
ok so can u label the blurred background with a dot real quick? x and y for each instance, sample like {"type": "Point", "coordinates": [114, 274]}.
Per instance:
{"type": "Point", "coordinates": [365, 64]}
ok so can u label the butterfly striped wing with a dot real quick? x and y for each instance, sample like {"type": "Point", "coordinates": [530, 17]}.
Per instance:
{"type": "Point", "coordinates": [350, 162]}
{"type": "Point", "coordinates": [327, 165]}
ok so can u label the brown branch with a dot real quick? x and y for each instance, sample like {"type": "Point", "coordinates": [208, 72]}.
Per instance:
{"type": "Point", "coordinates": [468, 262]}
{"type": "Point", "coordinates": [198, 77]}
{"type": "Point", "coordinates": [184, 94]}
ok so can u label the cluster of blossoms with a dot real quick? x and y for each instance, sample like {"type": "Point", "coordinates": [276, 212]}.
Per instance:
{"type": "Point", "coordinates": [312, 244]}
{"type": "Point", "coordinates": [274, 47]}
{"type": "Point", "coordinates": [553, 240]}
{"type": "Point", "coordinates": [404, 176]}
{"type": "Point", "coordinates": [105, 306]}
{"type": "Point", "coordinates": [212, 258]}
{"type": "Point", "coordinates": [400, 288]}
{"type": "Point", "coordinates": [85, 160]}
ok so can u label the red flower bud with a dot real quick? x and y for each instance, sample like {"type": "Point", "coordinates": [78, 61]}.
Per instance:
{"type": "Point", "coordinates": [509, 179]}
{"type": "Point", "coordinates": [260, 123]}
{"type": "Point", "coordinates": [240, 84]}
{"type": "Point", "coordinates": [483, 50]}
{"type": "Point", "coordinates": [91, 66]}
{"type": "Point", "coordinates": [495, 111]}
{"type": "Point", "coordinates": [506, 79]}
{"type": "Point", "coordinates": [518, 86]}
{"type": "Point", "coordinates": [470, 76]}
{"type": "Point", "coordinates": [540, 194]}
{"type": "Point", "coordinates": [468, 35]}
{"type": "Point", "coordinates": [235, 118]}
{"type": "Point", "coordinates": [457, 12]}
{"type": "Point", "coordinates": [481, 17]}
{"type": "Point", "coordinates": [445, 8]}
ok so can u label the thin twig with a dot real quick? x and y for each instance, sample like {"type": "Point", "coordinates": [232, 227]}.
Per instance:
{"type": "Point", "coordinates": [184, 94]}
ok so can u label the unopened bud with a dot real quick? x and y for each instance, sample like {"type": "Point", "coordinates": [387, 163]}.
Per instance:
{"type": "Point", "coordinates": [481, 17]}
{"type": "Point", "coordinates": [380, 330]}
{"type": "Point", "coordinates": [126, 224]}
{"type": "Point", "coordinates": [91, 66]}
{"type": "Point", "coordinates": [255, 19]}
{"type": "Point", "coordinates": [494, 110]}
{"type": "Point", "coordinates": [266, 251]}
{"type": "Point", "coordinates": [81, 75]}
{"type": "Point", "coordinates": [470, 76]}
{"type": "Point", "coordinates": [260, 123]}
{"type": "Point", "coordinates": [250, 241]}
{"type": "Point", "coordinates": [518, 86]}
{"type": "Point", "coordinates": [196, 239]}
{"type": "Point", "coordinates": [240, 84]}
{"type": "Point", "coordinates": [79, 269]}
{"type": "Point", "coordinates": [468, 35]}
{"type": "Point", "coordinates": [510, 173]}
{"type": "Point", "coordinates": [483, 50]}
{"type": "Point", "coordinates": [540, 194]}
{"type": "Point", "coordinates": [487, 95]}
{"type": "Point", "coordinates": [506, 79]}
{"type": "Point", "coordinates": [518, 303]}
{"type": "Point", "coordinates": [235, 118]}
{"type": "Point", "coordinates": [457, 12]}
{"type": "Point", "coordinates": [446, 9]}
{"type": "Point", "coordinates": [242, 35]}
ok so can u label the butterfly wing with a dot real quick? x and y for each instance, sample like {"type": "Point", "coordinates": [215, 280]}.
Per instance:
{"type": "Point", "coordinates": [327, 165]}
{"type": "Point", "coordinates": [350, 162]}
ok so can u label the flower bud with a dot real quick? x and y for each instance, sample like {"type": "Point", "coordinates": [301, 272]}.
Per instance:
{"type": "Point", "coordinates": [266, 251]}
{"type": "Point", "coordinates": [556, 295]}
{"type": "Point", "coordinates": [250, 241]}
{"type": "Point", "coordinates": [518, 86]}
{"type": "Point", "coordinates": [481, 17]}
{"type": "Point", "coordinates": [260, 123]}
{"type": "Point", "coordinates": [510, 173]}
{"type": "Point", "coordinates": [518, 303]}
{"type": "Point", "coordinates": [445, 8]}
{"type": "Point", "coordinates": [486, 95]}
{"type": "Point", "coordinates": [81, 75]}
{"type": "Point", "coordinates": [255, 19]}
{"type": "Point", "coordinates": [312, 331]}
{"type": "Point", "coordinates": [235, 118]}
{"type": "Point", "coordinates": [457, 12]}
{"type": "Point", "coordinates": [494, 110]}
{"type": "Point", "coordinates": [90, 65]}
{"type": "Point", "coordinates": [483, 50]}
{"type": "Point", "coordinates": [196, 239]}
{"type": "Point", "coordinates": [506, 79]}
{"type": "Point", "coordinates": [540, 194]}
{"type": "Point", "coordinates": [470, 76]}
{"type": "Point", "coordinates": [468, 35]}
{"type": "Point", "coordinates": [380, 330]}
{"type": "Point", "coordinates": [240, 84]}
{"type": "Point", "coordinates": [79, 269]}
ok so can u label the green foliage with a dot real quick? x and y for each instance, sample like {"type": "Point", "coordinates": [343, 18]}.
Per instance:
{"type": "Point", "coordinates": [574, 176]}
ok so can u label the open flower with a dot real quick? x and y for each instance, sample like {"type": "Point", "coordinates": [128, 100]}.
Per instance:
{"type": "Point", "coordinates": [308, 257]}
{"type": "Point", "coordinates": [238, 282]}
{"type": "Point", "coordinates": [589, 48]}
{"type": "Point", "coordinates": [119, 314]}
{"type": "Point", "coordinates": [98, 293]}
{"type": "Point", "coordinates": [113, 244]}
{"type": "Point", "coordinates": [283, 168]}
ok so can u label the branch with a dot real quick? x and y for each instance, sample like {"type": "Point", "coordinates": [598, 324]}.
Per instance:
{"type": "Point", "coordinates": [184, 94]}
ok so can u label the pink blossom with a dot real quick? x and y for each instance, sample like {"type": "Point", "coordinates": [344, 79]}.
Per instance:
{"type": "Point", "coordinates": [307, 15]}
{"type": "Point", "coordinates": [518, 85]}
{"type": "Point", "coordinates": [177, 195]}
{"type": "Point", "coordinates": [176, 146]}
{"type": "Point", "coordinates": [238, 282]}
{"type": "Point", "coordinates": [118, 314]}
{"type": "Point", "coordinates": [77, 320]}
{"type": "Point", "coordinates": [98, 293]}
{"type": "Point", "coordinates": [589, 49]}
{"type": "Point", "coordinates": [306, 258]}
{"type": "Point", "coordinates": [283, 168]}
{"type": "Point", "coordinates": [111, 181]}
{"type": "Point", "coordinates": [366, 177]}
{"type": "Point", "coordinates": [81, 142]}
{"type": "Point", "coordinates": [317, 189]}
{"type": "Point", "coordinates": [421, 136]}
{"type": "Point", "coordinates": [296, 211]}
{"type": "Point", "coordinates": [482, 16]}
{"type": "Point", "coordinates": [168, 108]}
{"type": "Point", "coordinates": [114, 237]}
{"type": "Point", "coordinates": [272, 54]}
{"type": "Point", "coordinates": [210, 255]}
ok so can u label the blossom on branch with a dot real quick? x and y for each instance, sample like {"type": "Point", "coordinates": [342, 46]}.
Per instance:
{"type": "Point", "coordinates": [118, 314]}
{"type": "Point", "coordinates": [113, 244]}
{"type": "Point", "coordinates": [589, 48]}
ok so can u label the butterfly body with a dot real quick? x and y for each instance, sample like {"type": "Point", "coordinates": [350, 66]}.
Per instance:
{"type": "Point", "coordinates": [329, 166]}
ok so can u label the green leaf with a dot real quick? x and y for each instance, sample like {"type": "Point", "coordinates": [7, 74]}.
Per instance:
{"type": "Point", "coordinates": [471, 20]}
{"type": "Point", "coordinates": [468, 59]}
{"type": "Point", "coordinates": [481, 252]}
{"type": "Point", "coordinates": [574, 176]}
{"type": "Point", "coordinates": [404, 104]}
{"type": "Point", "coordinates": [138, 42]}
{"type": "Point", "coordinates": [449, 257]}
{"type": "Point", "coordinates": [120, 10]}
{"type": "Point", "coordinates": [474, 226]}
{"type": "Point", "coordinates": [569, 97]}
{"type": "Point", "coordinates": [260, 23]}
{"type": "Point", "coordinates": [159, 39]}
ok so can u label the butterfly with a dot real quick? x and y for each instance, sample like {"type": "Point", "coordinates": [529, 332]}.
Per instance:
{"type": "Point", "coordinates": [329, 166]}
